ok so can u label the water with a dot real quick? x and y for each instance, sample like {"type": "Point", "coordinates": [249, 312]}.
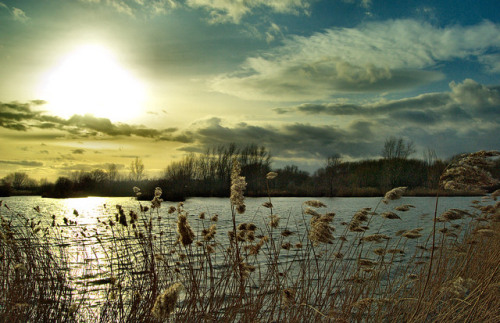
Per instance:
{"type": "Point", "coordinates": [90, 275]}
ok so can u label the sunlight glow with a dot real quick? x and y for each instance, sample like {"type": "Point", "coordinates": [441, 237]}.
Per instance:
{"type": "Point", "coordinates": [90, 81]}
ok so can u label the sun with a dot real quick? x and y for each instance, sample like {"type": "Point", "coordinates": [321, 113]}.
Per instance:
{"type": "Point", "coordinates": [90, 80]}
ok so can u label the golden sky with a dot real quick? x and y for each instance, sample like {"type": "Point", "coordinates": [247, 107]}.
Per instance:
{"type": "Point", "coordinates": [87, 83]}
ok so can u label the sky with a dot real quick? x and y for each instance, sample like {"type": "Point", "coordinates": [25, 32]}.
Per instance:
{"type": "Point", "coordinates": [86, 83]}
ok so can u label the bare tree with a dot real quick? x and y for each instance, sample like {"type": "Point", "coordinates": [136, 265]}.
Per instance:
{"type": "Point", "coordinates": [397, 148]}
{"type": "Point", "coordinates": [18, 180]}
{"type": "Point", "coordinates": [430, 156]}
{"type": "Point", "coordinates": [331, 172]}
{"type": "Point", "coordinates": [136, 169]}
{"type": "Point", "coordinates": [112, 170]}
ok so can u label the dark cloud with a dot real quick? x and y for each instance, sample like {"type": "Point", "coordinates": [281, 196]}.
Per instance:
{"type": "Point", "coordinates": [28, 163]}
{"type": "Point", "coordinates": [78, 151]}
{"type": "Point", "coordinates": [21, 117]}
{"type": "Point", "coordinates": [465, 101]}
{"type": "Point", "coordinates": [297, 140]}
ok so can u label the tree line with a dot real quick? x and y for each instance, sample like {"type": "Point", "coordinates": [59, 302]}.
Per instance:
{"type": "Point", "coordinates": [208, 174]}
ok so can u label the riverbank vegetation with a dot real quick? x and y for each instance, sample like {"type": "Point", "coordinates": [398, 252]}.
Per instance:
{"type": "Point", "coordinates": [272, 273]}
{"type": "Point", "coordinates": [206, 175]}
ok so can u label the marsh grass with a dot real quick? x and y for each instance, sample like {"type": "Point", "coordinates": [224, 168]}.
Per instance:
{"type": "Point", "coordinates": [278, 272]}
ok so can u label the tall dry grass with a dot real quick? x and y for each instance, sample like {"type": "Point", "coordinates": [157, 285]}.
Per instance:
{"type": "Point", "coordinates": [274, 273]}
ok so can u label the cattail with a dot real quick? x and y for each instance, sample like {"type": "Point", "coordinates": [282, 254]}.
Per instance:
{"type": "Point", "coordinates": [411, 235]}
{"type": "Point", "coordinates": [269, 205]}
{"type": "Point", "coordinates": [208, 234]}
{"type": "Point", "coordinates": [315, 203]}
{"type": "Point", "coordinates": [246, 269]}
{"type": "Point", "coordinates": [364, 302]}
{"type": "Point", "coordinates": [271, 175]}
{"type": "Point", "coordinates": [486, 232]}
{"type": "Point", "coordinates": [156, 202]}
{"type": "Point", "coordinates": [275, 220]}
{"type": "Point", "coordinates": [361, 215]}
{"type": "Point", "coordinates": [186, 234]}
{"type": "Point", "coordinates": [238, 185]}
{"type": "Point", "coordinates": [458, 287]}
{"type": "Point", "coordinates": [250, 235]}
{"type": "Point", "coordinates": [210, 249]}
{"type": "Point", "coordinates": [311, 212]}
{"type": "Point", "coordinates": [288, 297]}
{"type": "Point", "coordinates": [452, 214]}
{"type": "Point", "coordinates": [202, 215]}
{"type": "Point", "coordinates": [251, 227]}
{"type": "Point", "coordinates": [166, 302]}
{"type": "Point", "coordinates": [286, 245]}
{"type": "Point", "coordinates": [390, 215]}
{"type": "Point", "coordinates": [122, 218]}
{"type": "Point", "coordinates": [137, 191]}
{"type": "Point", "coordinates": [366, 262]}
{"type": "Point", "coordinates": [215, 218]}
{"type": "Point", "coordinates": [403, 208]}
{"type": "Point", "coordinates": [286, 233]}
{"type": "Point", "coordinates": [72, 309]}
{"type": "Point", "coordinates": [321, 230]}
{"type": "Point", "coordinates": [394, 194]}
{"type": "Point", "coordinates": [379, 251]}
{"type": "Point", "coordinates": [376, 237]}
{"type": "Point", "coordinates": [20, 268]}
{"type": "Point", "coordinates": [468, 173]}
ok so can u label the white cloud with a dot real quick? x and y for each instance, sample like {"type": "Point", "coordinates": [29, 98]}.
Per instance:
{"type": "Point", "coordinates": [377, 56]}
{"type": "Point", "coordinates": [16, 13]}
{"type": "Point", "coordinates": [132, 7]}
{"type": "Point", "coordinates": [491, 62]}
{"type": "Point", "coordinates": [233, 11]}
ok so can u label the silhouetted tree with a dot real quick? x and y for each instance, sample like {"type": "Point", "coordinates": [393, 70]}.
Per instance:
{"type": "Point", "coordinates": [397, 148]}
{"type": "Point", "coordinates": [136, 169]}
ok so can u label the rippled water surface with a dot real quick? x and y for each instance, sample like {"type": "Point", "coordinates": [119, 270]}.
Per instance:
{"type": "Point", "coordinates": [89, 270]}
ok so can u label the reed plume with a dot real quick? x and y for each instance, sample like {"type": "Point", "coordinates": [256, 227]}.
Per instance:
{"type": "Point", "coordinates": [166, 302]}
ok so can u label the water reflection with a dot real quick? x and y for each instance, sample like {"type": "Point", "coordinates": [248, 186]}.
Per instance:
{"type": "Point", "coordinates": [102, 254]}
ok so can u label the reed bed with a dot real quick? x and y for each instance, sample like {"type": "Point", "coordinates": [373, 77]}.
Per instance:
{"type": "Point", "coordinates": [144, 271]}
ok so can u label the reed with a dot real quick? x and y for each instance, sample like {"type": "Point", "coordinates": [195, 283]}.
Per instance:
{"type": "Point", "coordinates": [282, 271]}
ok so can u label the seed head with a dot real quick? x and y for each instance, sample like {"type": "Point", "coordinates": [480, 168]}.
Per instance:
{"type": "Point", "coordinates": [238, 185]}
{"type": "Point", "coordinates": [315, 203]}
{"type": "Point", "coordinates": [165, 303]}
{"type": "Point", "coordinates": [186, 234]}
{"type": "Point", "coordinates": [394, 194]}
{"type": "Point", "coordinates": [271, 175]}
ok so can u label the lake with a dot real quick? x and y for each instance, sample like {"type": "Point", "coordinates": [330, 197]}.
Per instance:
{"type": "Point", "coordinates": [92, 216]}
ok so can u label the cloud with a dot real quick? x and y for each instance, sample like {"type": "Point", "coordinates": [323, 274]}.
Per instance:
{"type": "Point", "coordinates": [28, 163]}
{"type": "Point", "coordinates": [233, 11]}
{"type": "Point", "coordinates": [465, 119]}
{"type": "Point", "coordinates": [19, 15]}
{"type": "Point", "coordinates": [21, 117]}
{"type": "Point", "coordinates": [134, 7]}
{"type": "Point", "coordinates": [78, 151]}
{"type": "Point", "coordinates": [465, 101]}
{"type": "Point", "coordinates": [287, 142]}
{"type": "Point", "coordinates": [16, 13]}
{"type": "Point", "coordinates": [392, 55]}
